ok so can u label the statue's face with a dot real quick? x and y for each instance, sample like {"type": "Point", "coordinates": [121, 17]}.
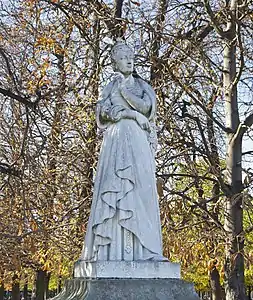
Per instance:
{"type": "Point", "coordinates": [125, 61]}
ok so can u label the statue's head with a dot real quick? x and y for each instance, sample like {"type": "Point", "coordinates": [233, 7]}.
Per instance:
{"type": "Point", "coordinates": [122, 58]}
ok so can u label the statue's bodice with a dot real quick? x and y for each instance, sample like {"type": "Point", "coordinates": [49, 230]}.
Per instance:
{"type": "Point", "coordinates": [116, 97]}
{"type": "Point", "coordinates": [133, 87]}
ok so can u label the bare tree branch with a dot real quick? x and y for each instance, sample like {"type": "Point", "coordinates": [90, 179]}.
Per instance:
{"type": "Point", "coordinates": [7, 169]}
{"type": "Point", "coordinates": [23, 100]}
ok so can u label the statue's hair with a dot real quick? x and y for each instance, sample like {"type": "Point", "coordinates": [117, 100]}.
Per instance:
{"type": "Point", "coordinates": [119, 45]}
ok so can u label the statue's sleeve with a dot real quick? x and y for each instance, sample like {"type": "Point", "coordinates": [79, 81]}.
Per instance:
{"type": "Point", "coordinates": [103, 107]}
{"type": "Point", "coordinates": [106, 113]}
{"type": "Point", "coordinates": [150, 93]}
{"type": "Point", "coordinates": [152, 136]}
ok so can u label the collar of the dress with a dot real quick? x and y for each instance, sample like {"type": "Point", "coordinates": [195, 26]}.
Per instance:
{"type": "Point", "coordinates": [130, 81]}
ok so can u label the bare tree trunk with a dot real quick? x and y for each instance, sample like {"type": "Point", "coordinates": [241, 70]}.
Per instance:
{"type": "Point", "coordinates": [215, 284]}
{"type": "Point", "coordinates": [15, 294]}
{"type": "Point", "coordinates": [1, 290]}
{"type": "Point", "coordinates": [59, 287]}
{"type": "Point", "coordinates": [118, 8]}
{"type": "Point", "coordinates": [47, 279]}
{"type": "Point", "coordinates": [41, 283]}
{"type": "Point", "coordinates": [234, 264]}
{"type": "Point", "coordinates": [156, 44]}
{"type": "Point", "coordinates": [119, 29]}
{"type": "Point", "coordinates": [25, 292]}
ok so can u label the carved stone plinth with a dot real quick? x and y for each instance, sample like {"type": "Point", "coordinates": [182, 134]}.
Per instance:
{"type": "Point", "coordinates": [127, 289]}
{"type": "Point", "coordinates": [126, 269]}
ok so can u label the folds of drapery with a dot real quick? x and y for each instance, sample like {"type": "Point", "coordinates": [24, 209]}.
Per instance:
{"type": "Point", "coordinates": [124, 223]}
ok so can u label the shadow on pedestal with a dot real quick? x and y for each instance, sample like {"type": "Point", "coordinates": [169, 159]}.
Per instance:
{"type": "Point", "coordinates": [127, 289]}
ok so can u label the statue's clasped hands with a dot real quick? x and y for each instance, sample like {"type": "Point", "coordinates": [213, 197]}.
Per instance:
{"type": "Point", "coordinates": [142, 121]}
{"type": "Point", "coordinates": [139, 117]}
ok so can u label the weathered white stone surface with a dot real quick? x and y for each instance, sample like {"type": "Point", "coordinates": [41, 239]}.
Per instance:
{"type": "Point", "coordinates": [126, 269]}
{"type": "Point", "coordinates": [127, 289]}
{"type": "Point", "coordinates": [124, 223]}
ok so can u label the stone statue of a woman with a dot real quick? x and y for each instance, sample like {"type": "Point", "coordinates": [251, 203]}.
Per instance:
{"type": "Point", "coordinates": [124, 223]}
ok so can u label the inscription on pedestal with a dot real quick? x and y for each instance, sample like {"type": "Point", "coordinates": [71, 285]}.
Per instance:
{"type": "Point", "coordinates": [126, 269]}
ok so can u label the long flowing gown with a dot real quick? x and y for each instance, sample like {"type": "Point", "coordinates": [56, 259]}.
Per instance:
{"type": "Point", "coordinates": [124, 223]}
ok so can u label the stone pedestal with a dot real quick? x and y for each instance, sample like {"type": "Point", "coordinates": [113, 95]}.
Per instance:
{"type": "Point", "coordinates": [127, 289]}
{"type": "Point", "coordinates": [122, 280]}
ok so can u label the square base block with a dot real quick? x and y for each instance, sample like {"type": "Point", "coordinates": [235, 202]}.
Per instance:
{"type": "Point", "coordinates": [127, 289]}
